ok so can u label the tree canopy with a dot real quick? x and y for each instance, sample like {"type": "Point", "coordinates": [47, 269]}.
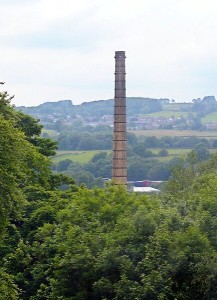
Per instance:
{"type": "Point", "coordinates": [60, 241]}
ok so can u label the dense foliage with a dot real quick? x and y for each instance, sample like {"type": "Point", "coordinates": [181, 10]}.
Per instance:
{"type": "Point", "coordinates": [23, 166]}
{"type": "Point", "coordinates": [101, 138]}
{"type": "Point", "coordinates": [75, 244]}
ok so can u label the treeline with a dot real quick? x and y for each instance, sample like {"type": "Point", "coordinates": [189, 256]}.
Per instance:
{"type": "Point", "coordinates": [85, 140]}
{"type": "Point", "coordinates": [101, 138]}
{"type": "Point", "coordinates": [177, 142]}
{"type": "Point", "coordinates": [135, 105]}
{"type": "Point", "coordinates": [142, 162]}
{"type": "Point", "coordinates": [91, 174]}
{"type": "Point", "coordinates": [204, 106]}
{"type": "Point", "coordinates": [61, 241]}
{"type": "Point", "coordinates": [98, 108]}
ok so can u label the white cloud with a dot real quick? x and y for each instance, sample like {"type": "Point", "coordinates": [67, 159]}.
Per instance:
{"type": "Point", "coordinates": [64, 49]}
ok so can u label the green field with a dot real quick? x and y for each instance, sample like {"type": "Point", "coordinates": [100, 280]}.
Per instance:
{"type": "Point", "coordinates": [210, 118]}
{"type": "Point", "coordinates": [168, 114]}
{"type": "Point", "coordinates": [172, 111]}
{"type": "Point", "coordinates": [76, 156]}
{"type": "Point", "coordinates": [172, 151]}
{"type": "Point", "coordinates": [177, 106]}
{"type": "Point", "coordinates": [85, 156]}
{"type": "Point", "coordinates": [175, 152]}
{"type": "Point", "coordinates": [170, 132]}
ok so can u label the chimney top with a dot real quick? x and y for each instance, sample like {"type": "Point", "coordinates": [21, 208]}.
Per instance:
{"type": "Point", "coordinates": [120, 54]}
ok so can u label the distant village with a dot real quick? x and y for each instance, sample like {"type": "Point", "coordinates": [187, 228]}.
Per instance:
{"type": "Point", "coordinates": [137, 122]}
{"type": "Point", "coordinates": [142, 114]}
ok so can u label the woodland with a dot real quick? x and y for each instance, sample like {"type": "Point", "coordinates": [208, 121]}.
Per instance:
{"type": "Point", "coordinates": [144, 162]}
{"type": "Point", "coordinates": [62, 241]}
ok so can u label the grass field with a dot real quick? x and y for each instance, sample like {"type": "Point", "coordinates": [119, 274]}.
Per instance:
{"type": "Point", "coordinates": [168, 114]}
{"type": "Point", "coordinates": [210, 118]}
{"type": "Point", "coordinates": [85, 156]}
{"type": "Point", "coordinates": [177, 106]}
{"type": "Point", "coordinates": [169, 132]}
{"type": "Point", "coordinates": [76, 156]}
{"type": "Point", "coordinates": [172, 151]}
{"type": "Point", "coordinates": [171, 111]}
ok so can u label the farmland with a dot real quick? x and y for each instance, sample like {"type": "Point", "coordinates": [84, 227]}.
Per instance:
{"type": "Point", "coordinates": [175, 152]}
{"type": "Point", "coordinates": [212, 117]}
{"type": "Point", "coordinates": [171, 132]}
{"type": "Point", "coordinates": [177, 107]}
{"type": "Point", "coordinates": [172, 151]}
{"type": "Point", "coordinates": [76, 156]}
{"type": "Point", "coordinates": [85, 156]}
{"type": "Point", "coordinates": [168, 114]}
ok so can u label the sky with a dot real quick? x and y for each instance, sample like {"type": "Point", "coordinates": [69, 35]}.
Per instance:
{"type": "Point", "coordinates": [53, 50]}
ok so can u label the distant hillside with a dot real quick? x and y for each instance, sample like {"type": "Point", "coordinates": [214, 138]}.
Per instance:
{"type": "Point", "coordinates": [142, 113]}
{"type": "Point", "coordinates": [98, 108]}
{"type": "Point", "coordinates": [62, 106]}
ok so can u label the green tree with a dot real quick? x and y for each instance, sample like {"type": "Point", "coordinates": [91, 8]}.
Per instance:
{"type": "Point", "coordinates": [142, 151]}
{"type": "Point", "coordinates": [16, 171]}
{"type": "Point", "coordinates": [163, 153]}
{"type": "Point", "coordinates": [28, 124]}
{"type": "Point", "coordinates": [202, 151]}
{"type": "Point", "coordinates": [8, 290]}
{"type": "Point", "coordinates": [63, 165]}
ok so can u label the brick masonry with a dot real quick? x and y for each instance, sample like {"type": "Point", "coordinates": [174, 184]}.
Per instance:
{"type": "Point", "coordinates": [119, 169]}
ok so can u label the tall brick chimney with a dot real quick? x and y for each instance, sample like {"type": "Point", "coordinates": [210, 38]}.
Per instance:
{"type": "Point", "coordinates": [119, 169]}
